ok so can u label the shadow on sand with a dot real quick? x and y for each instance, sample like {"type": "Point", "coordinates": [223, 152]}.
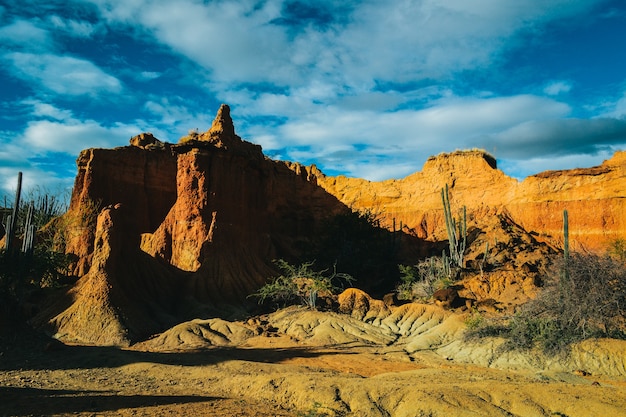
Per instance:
{"type": "Point", "coordinates": [36, 401]}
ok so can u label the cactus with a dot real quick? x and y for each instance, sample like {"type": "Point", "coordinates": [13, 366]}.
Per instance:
{"type": "Point", "coordinates": [12, 219]}
{"type": "Point", "coordinates": [445, 262]}
{"type": "Point", "coordinates": [565, 236]}
{"type": "Point", "coordinates": [456, 229]}
{"type": "Point", "coordinates": [29, 231]}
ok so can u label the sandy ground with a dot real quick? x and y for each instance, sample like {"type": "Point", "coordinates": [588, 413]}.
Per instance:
{"type": "Point", "coordinates": [301, 363]}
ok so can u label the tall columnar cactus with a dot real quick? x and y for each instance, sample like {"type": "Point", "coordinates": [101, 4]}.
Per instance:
{"type": "Point", "coordinates": [456, 229]}
{"type": "Point", "coordinates": [565, 236]}
{"type": "Point", "coordinates": [12, 219]}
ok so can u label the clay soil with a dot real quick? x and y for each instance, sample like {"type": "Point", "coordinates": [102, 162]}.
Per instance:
{"type": "Point", "coordinates": [301, 367]}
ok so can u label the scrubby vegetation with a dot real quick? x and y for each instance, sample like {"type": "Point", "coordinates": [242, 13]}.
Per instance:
{"type": "Point", "coordinates": [301, 285]}
{"type": "Point", "coordinates": [583, 296]}
{"type": "Point", "coordinates": [31, 256]}
{"type": "Point", "coordinates": [420, 281]}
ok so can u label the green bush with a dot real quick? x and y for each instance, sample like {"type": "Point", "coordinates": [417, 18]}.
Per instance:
{"type": "Point", "coordinates": [300, 284]}
{"type": "Point", "coordinates": [617, 250]}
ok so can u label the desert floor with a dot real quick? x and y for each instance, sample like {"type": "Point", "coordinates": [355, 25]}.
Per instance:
{"type": "Point", "coordinates": [301, 363]}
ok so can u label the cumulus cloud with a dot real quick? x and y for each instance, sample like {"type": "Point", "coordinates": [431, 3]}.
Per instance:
{"type": "Point", "coordinates": [57, 130]}
{"type": "Point", "coordinates": [73, 136]}
{"type": "Point", "coordinates": [41, 109]}
{"type": "Point", "coordinates": [285, 43]}
{"type": "Point", "coordinates": [399, 142]}
{"type": "Point", "coordinates": [62, 74]}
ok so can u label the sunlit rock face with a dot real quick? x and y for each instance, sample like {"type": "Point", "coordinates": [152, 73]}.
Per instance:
{"type": "Point", "coordinates": [595, 198]}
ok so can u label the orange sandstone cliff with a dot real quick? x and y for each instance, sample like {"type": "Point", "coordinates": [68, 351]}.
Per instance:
{"type": "Point", "coordinates": [185, 229]}
{"type": "Point", "coordinates": [595, 198]}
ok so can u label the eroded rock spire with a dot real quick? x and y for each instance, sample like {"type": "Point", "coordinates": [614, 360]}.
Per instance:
{"type": "Point", "coordinates": [222, 124]}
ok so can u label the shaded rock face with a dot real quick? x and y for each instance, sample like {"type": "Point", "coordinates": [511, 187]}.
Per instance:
{"type": "Point", "coordinates": [595, 198]}
{"type": "Point", "coordinates": [125, 296]}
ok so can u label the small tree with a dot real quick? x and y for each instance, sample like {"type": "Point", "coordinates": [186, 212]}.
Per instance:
{"type": "Point", "coordinates": [617, 249]}
{"type": "Point", "coordinates": [300, 284]}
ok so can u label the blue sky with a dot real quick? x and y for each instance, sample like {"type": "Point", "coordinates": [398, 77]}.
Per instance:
{"type": "Point", "coordinates": [362, 88]}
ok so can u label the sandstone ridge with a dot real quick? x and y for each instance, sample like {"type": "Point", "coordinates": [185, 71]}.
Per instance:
{"type": "Point", "coordinates": [594, 197]}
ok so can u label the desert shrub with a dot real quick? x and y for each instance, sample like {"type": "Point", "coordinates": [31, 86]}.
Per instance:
{"type": "Point", "coordinates": [475, 320]}
{"type": "Point", "coordinates": [582, 297]}
{"type": "Point", "coordinates": [300, 284]}
{"type": "Point", "coordinates": [617, 250]}
{"type": "Point", "coordinates": [420, 281]}
{"type": "Point", "coordinates": [60, 230]}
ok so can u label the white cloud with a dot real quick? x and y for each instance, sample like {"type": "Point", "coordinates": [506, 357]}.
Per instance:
{"type": "Point", "coordinates": [73, 136]}
{"type": "Point", "coordinates": [149, 75]}
{"type": "Point", "coordinates": [254, 42]}
{"type": "Point", "coordinates": [615, 109]}
{"type": "Point", "coordinates": [58, 130]}
{"type": "Point", "coordinates": [75, 28]}
{"type": "Point", "coordinates": [354, 141]}
{"type": "Point", "coordinates": [175, 118]}
{"type": "Point", "coordinates": [63, 74]}
{"type": "Point", "coordinates": [557, 87]}
{"type": "Point", "coordinates": [26, 34]}
{"type": "Point", "coordinates": [41, 109]}
{"type": "Point", "coordinates": [454, 119]}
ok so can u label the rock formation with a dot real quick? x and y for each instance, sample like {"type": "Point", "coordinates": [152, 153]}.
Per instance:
{"type": "Point", "coordinates": [208, 215]}
{"type": "Point", "coordinates": [594, 197]}
{"type": "Point", "coordinates": [185, 229]}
